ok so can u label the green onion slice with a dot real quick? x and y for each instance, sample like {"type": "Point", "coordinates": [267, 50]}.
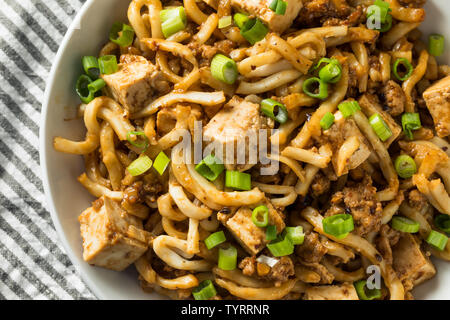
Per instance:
{"type": "Point", "coordinates": [273, 5]}
{"type": "Point", "coordinates": [406, 64]}
{"type": "Point", "coordinates": [405, 166]}
{"type": "Point", "coordinates": [274, 110]}
{"type": "Point", "coordinates": [313, 84]}
{"type": "Point", "coordinates": [280, 247]}
{"type": "Point", "coordinates": [215, 239]}
{"type": "Point", "coordinates": [281, 7]}
{"type": "Point", "coordinates": [204, 291]}
{"type": "Point", "coordinates": [172, 21]}
{"type": "Point", "coordinates": [338, 225]}
{"type": "Point", "coordinates": [442, 221]}
{"type": "Point", "coordinates": [121, 34]}
{"type": "Point", "coordinates": [90, 66]}
{"type": "Point", "coordinates": [436, 44]}
{"type": "Point", "coordinates": [348, 108]}
{"type": "Point", "coordinates": [227, 258]}
{"type": "Point", "coordinates": [161, 162]}
{"type": "Point", "coordinates": [437, 240]}
{"type": "Point", "coordinates": [404, 224]}
{"type": "Point", "coordinates": [260, 216]}
{"type": "Point", "coordinates": [108, 64]}
{"type": "Point", "coordinates": [240, 19]}
{"type": "Point", "coordinates": [238, 180]}
{"type": "Point", "coordinates": [381, 7]}
{"type": "Point", "coordinates": [210, 167]}
{"type": "Point", "coordinates": [97, 85]}
{"type": "Point", "coordinates": [365, 293]}
{"type": "Point", "coordinates": [82, 89]}
{"type": "Point", "coordinates": [143, 145]}
{"type": "Point", "coordinates": [332, 72]}
{"type": "Point", "coordinates": [225, 22]}
{"type": "Point", "coordinates": [410, 122]}
{"type": "Point", "coordinates": [295, 234]}
{"type": "Point", "coordinates": [224, 69]}
{"type": "Point", "coordinates": [384, 26]}
{"type": "Point", "coordinates": [380, 127]}
{"type": "Point", "coordinates": [271, 232]}
{"type": "Point", "coordinates": [254, 30]}
{"type": "Point", "coordinates": [140, 166]}
{"type": "Point", "coordinates": [327, 121]}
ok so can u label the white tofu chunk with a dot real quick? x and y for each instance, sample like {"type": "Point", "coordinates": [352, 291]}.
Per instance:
{"type": "Point", "coordinates": [251, 237]}
{"type": "Point", "coordinates": [411, 265]}
{"type": "Point", "coordinates": [437, 98]}
{"type": "Point", "coordinates": [345, 291]}
{"type": "Point", "coordinates": [234, 127]}
{"type": "Point", "coordinates": [133, 84]}
{"type": "Point", "coordinates": [107, 240]}
{"type": "Point", "coordinates": [260, 8]}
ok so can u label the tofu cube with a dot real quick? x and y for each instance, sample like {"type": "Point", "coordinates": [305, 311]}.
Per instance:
{"type": "Point", "coordinates": [437, 98]}
{"type": "Point", "coordinates": [260, 8]}
{"type": "Point", "coordinates": [251, 237]}
{"type": "Point", "coordinates": [410, 263]}
{"type": "Point", "coordinates": [345, 291]}
{"type": "Point", "coordinates": [132, 85]}
{"type": "Point", "coordinates": [106, 242]}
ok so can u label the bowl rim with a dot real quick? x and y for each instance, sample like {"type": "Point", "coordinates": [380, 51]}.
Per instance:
{"type": "Point", "coordinates": [43, 154]}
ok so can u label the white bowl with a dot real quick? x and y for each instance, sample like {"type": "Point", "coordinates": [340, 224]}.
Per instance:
{"type": "Point", "coordinates": [66, 198]}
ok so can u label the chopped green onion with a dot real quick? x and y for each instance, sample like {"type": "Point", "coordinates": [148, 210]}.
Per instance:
{"type": "Point", "coordinates": [97, 85]}
{"type": "Point", "coordinates": [436, 43]}
{"type": "Point", "coordinates": [238, 180]}
{"type": "Point", "coordinates": [273, 5]}
{"type": "Point", "coordinates": [378, 17]}
{"type": "Point", "coordinates": [227, 258]}
{"type": "Point", "coordinates": [224, 69]}
{"type": "Point", "coordinates": [365, 293]}
{"type": "Point", "coordinates": [380, 127]}
{"type": "Point", "coordinates": [281, 7]}
{"type": "Point", "coordinates": [82, 89]}
{"type": "Point", "coordinates": [161, 162]}
{"type": "Point", "coordinates": [254, 30]}
{"type": "Point", "coordinates": [90, 66]}
{"type": "Point", "coordinates": [140, 166]}
{"type": "Point", "coordinates": [381, 7]}
{"type": "Point", "coordinates": [331, 73]}
{"type": "Point", "coordinates": [309, 88]}
{"type": "Point", "coordinates": [260, 216]}
{"type": "Point", "coordinates": [145, 143]}
{"type": "Point", "coordinates": [240, 19]}
{"type": "Point", "coordinates": [405, 166]}
{"type": "Point", "coordinates": [215, 239]}
{"type": "Point", "coordinates": [108, 64]}
{"type": "Point", "coordinates": [386, 26]}
{"type": "Point", "coordinates": [271, 232]}
{"type": "Point", "coordinates": [295, 234]}
{"type": "Point", "coordinates": [225, 22]}
{"type": "Point", "coordinates": [348, 108]}
{"type": "Point", "coordinates": [437, 240]}
{"type": "Point", "coordinates": [121, 34]}
{"type": "Point", "coordinates": [280, 247]}
{"type": "Point", "coordinates": [210, 167]}
{"type": "Point", "coordinates": [410, 121]}
{"type": "Point", "coordinates": [204, 291]}
{"type": "Point", "coordinates": [406, 64]}
{"type": "Point", "coordinates": [442, 221]}
{"type": "Point", "coordinates": [405, 225]}
{"type": "Point", "coordinates": [338, 225]}
{"type": "Point", "coordinates": [172, 21]}
{"type": "Point", "coordinates": [274, 110]}
{"type": "Point", "coordinates": [327, 121]}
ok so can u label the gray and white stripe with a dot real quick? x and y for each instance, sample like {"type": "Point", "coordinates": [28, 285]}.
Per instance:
{"type": "Point", "coordinates": [33, 265]}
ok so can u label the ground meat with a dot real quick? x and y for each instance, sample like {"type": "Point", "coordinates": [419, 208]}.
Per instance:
{"type": "Point", "coordinates": [360, 200]}
{"type": "Point", "coordinates": [248, 266]}
{"type": "Point", "coordinates": [394, 97]}
{"type": "Point", "coordinates": [133, 193]}
{"type": "Point", "coordinates": [328, 12]}
{"type": "Point", "coordinates": [282, 270]}
{"type": "Point", "coordinates": [387, 238]}
{"type": "Point", "coordinates": [417, 200]}
{"type": "Point", "coordinates": [353, 19]}
{"type": "Point", "coordinates": [97, 204]}
{"type": "Point", "coordinates": [325, 276]}
{"type": "Point", "coordinates": [312, 250]}
{"type": "Point", "coordinates": [320, 184]}
{"type": "Point", "coordinates": [412, 3]}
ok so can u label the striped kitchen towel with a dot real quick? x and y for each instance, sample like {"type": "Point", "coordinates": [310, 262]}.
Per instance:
{"type": "Point", "coordinates": [33, 264]}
